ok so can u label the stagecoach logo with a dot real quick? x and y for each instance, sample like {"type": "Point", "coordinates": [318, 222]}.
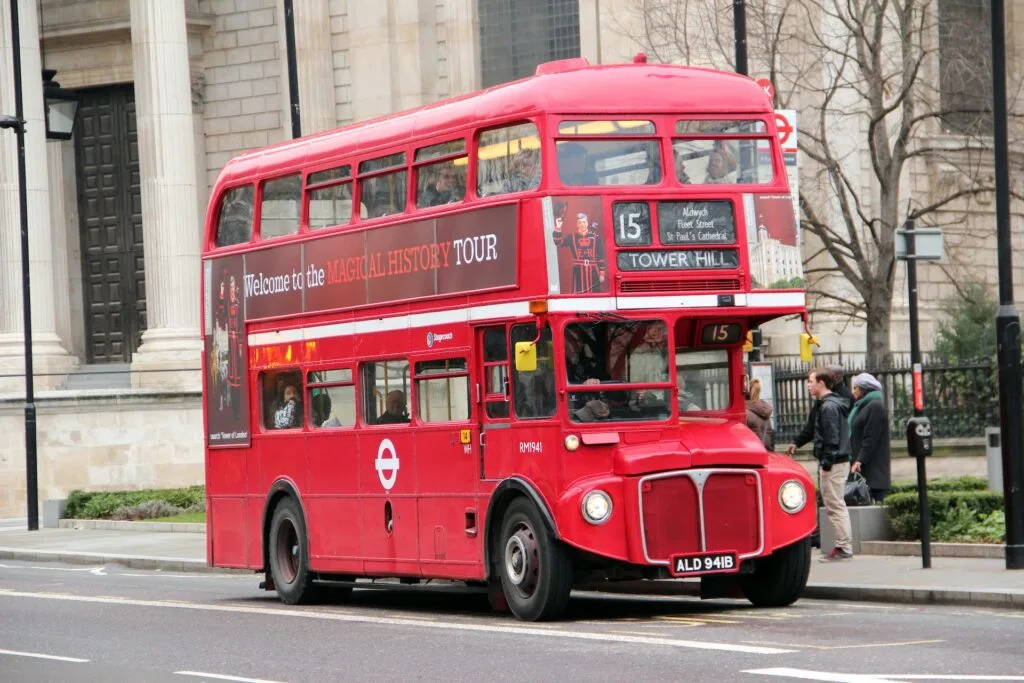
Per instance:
{"type": "Point", "coordinates": [387, 464]}
{"type": "Point", "coordinates": [433, 338]}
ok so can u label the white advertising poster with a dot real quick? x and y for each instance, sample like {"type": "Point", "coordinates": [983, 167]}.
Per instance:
{"type": "Point", "coordinates": [785, 121]}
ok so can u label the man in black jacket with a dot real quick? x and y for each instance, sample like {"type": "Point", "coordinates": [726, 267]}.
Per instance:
{"type": "Point", "coordinates": [831, 436]}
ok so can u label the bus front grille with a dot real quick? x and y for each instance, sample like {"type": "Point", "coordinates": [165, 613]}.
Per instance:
{"type": "Point", "coordinates": [656, 286]}
{"type": "Point", "coordinates": [700, 511]}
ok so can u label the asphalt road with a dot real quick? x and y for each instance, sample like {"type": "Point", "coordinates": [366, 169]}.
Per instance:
{"type": "Point", "coordinates": [62, 623]}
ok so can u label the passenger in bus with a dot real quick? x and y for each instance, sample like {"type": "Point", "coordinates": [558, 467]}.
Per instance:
{"type": "Point", "coordinates": [681, 173]}
{"type": "Point", "coordinates": [525, 171]}
{"type": "Point", "coordinates": [395, 409]}
{"type": "Point", "coordinates": [572, 165]}
{"type": "Point", "coordinates": [441, 189]}
{"type": "Point", "coordinates": [289, 414]}
{"type": "Point", "coordinates": [722, 164]}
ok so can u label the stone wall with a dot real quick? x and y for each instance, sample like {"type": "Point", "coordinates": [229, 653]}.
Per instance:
{"type": "Point", "coordinates": [102, 440]}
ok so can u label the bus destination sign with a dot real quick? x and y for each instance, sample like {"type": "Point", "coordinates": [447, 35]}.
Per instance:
{"type": "Point", "coordinates": [696, 222]}
{"type": "Point", "coordinates": [690, 259]}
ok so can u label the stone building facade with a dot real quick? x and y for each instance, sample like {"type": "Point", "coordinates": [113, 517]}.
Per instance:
{"type": "Point", "coordinates": [169, 91]}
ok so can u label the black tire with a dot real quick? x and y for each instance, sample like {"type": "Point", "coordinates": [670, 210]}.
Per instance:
{"type": "Point", "coordinates": [779, 579]}
{"type": "Point", "coordinates": [288, 555]}
{"type": "Point", "coordinates": [535, 569]}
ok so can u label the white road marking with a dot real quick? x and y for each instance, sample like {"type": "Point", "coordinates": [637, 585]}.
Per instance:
{"type": "Point", "coordinates": [837, 677]}
{"type": "Point", "coordinates": [222, 677]}
{"type": "Point", "coordinates": [36, 655]}
{"type": "Point", "coordinates": [394, 621]}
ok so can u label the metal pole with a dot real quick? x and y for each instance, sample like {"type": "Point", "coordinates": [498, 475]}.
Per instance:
{"type": "Point", "coordinates": [293, 71]}
{"type": "Point", "coordinates": [739, 22]}
{"type": "Point", "coordinates": [31, 473]}
{"type": "Point", "coordinates": [915, 361]}
{"type": "Point", "coordinates": [1007, 320]}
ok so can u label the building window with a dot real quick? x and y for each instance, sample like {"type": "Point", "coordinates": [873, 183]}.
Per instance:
{"type": "Point", "coordinates": [965, 66]}
{"type": "Point", "coordinates": [517, 35]}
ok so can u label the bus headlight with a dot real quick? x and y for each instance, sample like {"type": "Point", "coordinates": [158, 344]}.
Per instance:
{"type": "Point", "coordinates": [597, 507]}
{"type": "Point", "coordinates": [792, 496]}
{"type": "Point", "coordinates": [572, 442]}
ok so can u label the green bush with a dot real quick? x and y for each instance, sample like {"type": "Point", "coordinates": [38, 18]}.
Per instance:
{"type": "Point", "coordinates": [954, 515]}
{"type": "Point", "coordinates": [965, 483]}
{"type": "Point", "coordinates": [103, 504]}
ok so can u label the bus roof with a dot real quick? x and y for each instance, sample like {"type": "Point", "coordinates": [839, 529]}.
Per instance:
{"type": "Point", "coordinates": [565, 87]}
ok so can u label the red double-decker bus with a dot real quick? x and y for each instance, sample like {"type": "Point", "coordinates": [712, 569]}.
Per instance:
{"type": "Point", "coordinates": [499, 339]}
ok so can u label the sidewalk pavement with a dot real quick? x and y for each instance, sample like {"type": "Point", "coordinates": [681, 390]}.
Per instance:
{"type": "Point", "coordinates": [958, 581]}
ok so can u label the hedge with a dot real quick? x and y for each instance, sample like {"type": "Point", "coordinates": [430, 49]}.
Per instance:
{"type": "Point", "coordinates": [103, 504]}
{"type": "Point", "coordinates": [965, 483]}
{"type": "Point", "coordinates": [951, 513]}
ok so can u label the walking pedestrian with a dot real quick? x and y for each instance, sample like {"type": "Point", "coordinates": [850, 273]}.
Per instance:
{"type": "Point", "coordinates": [759, 414]}
{"type": "Point", "coordinates": [839, 383]}
{"type": "Point", "coordinates": [869, 436]}
{"type": "Point", "coordinates": [831, 436]}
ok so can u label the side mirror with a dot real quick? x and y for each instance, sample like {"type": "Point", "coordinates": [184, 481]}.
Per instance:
{"type": "Point", "coordinates": [526, 357]}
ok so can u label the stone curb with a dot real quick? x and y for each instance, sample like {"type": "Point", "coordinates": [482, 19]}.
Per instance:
{"type": "Point", "coordinates": [910, 595]}
{"type": "Point", "coordinates": [913, 549]}
{"type": "Point", "coordinates": [112, 525]}
{"type": "Point", "coordinates": [169, 564]}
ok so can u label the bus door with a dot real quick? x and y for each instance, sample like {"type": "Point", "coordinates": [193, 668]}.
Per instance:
{"type": "Point", "coordinates": [387, 469]}
{"type": "Point", "coordinates": [494, 391]}
{"type": "Point", "coordinates": [447, 464]}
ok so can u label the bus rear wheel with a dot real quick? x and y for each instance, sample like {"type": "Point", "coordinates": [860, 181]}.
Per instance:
{"type": "Point", "coordinates": [288, 555]}
{"type": "Point", "coordinates": [535, 569]}
{"type": "Point", "coordinates": [780, 578]}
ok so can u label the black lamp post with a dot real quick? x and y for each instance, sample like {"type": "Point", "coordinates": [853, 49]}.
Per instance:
{"type": "Point", "coordinates": [61, 107]}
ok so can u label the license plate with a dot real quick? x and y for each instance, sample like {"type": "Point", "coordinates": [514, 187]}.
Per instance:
{"type": "Point", "coordinates": [703, 563]}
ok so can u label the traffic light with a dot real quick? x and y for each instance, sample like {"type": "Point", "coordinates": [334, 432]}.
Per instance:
{"type": "Point", "coordinates": [807, 340]}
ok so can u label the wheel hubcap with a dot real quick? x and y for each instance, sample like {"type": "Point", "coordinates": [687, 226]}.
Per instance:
{"type": "Point", "coordinates": [288, 554]}
{"type": "Point", "coordinates": [522, 560]}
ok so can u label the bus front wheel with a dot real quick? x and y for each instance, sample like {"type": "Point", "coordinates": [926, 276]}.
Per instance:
{"type": "Point", "coordinates": [288, 554]}
{"type": "Point", "coordinates": [535, 569]}
{"type": "Point", "coordinates": [780, 578]}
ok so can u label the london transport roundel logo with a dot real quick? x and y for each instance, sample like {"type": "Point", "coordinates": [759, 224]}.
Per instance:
{"type": "Point", "coordinates": [430, 339]}
{"type": "Point", "coordinates": [386, 464]}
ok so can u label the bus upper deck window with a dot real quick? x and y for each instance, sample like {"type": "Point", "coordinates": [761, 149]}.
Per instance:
{"type": "Point", "coordinates": [330, 197]}
{"type": "Point", "coordinates": [508, 160]}
{"type": "Point", "coordinates": [234, 224]}
{"type": "Point", "coordinates": [383, 193]}
{"type": "Point", "coordinates": [720, 152]}
{"type": "Point", "coordinates": [608, 162]}
{"type": "Point", "coordinates": [442, 181]}
{"type": "Point", "coordinates": [280, 205]}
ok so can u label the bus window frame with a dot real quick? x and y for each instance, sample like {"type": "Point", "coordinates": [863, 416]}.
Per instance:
{"type": "Point", "coordinates": [308, 187]}
{"type": "Point", "coordinates": [417, 165]}
{"type": "Point", "coordinates": [264, 429]}
{"type": "Point", "coordinates": [659, 136]}
{"type": "Point", "coordinates": [257, 234]}
{"type": "Point", "coordinates": [211, 241]}
{"type": "Point", "coordinates": [359, 177]}
{"type": "Point", "coordinates": [349, 365]}
{"type": "Point", "coordinates": [361, 397]}
{"type": "Point", "coordinates": [457, 353]}
{"type": "Point", "coordinates": [539, 121]}
{"type": "Point", "coordinates": [778, 163]}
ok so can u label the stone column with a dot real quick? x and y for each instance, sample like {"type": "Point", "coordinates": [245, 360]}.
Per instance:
{"type": "Point", "coordinates": [463, 31]}
{"type": "Point", "coordinates": [314, 61]}
{"type": "Point", "coordinates": [64, 214]}
{"type": "Point", "coordinates": [163, 102]}
{"type": "Point", "coordinates": [51, 361]}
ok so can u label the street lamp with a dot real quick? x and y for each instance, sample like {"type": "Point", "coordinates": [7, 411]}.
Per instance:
{"type": "Point", "coordinates": [17, 122]}
{"type": "Point", "coordinates": [61, 107]}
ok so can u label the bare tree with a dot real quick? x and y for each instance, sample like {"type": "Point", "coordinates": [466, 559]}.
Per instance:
{"type": "Point", "coordinates": [878, 83]}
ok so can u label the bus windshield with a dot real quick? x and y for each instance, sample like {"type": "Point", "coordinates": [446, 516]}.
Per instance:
{"type": "Point", "coordinates": [702, 377]}
{"type": "Point", "coordinates": [603, 358]}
